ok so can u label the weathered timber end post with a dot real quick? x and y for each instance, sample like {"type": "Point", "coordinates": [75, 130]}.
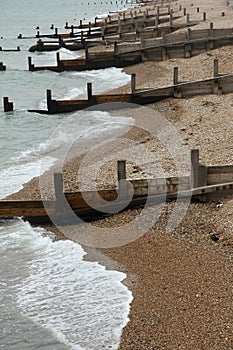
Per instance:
{"type": "Point", "coordinates": [58, 59]}
{"type": "Point", "coordinates": [184, 11]}
{"type": "Point", "coordinates": [30, 65]}
{"type": "Point", "coordinates": [102, 33]}
{"type": "Point", "coordinates": [59, 195]}
{"type": "Point", "coordinates": [216, 88]}
{"type": "Point", "coordinates": [215, 68]}
{"type": "Point", "coordinates": [121, 175]}
{"type": "Point", "coordinates": [72, 31]}
{"type": "Point", "coordinates": [89, 91]}
{"type": "Point", "coordinates": [194, 168]}
{"type": "Point", "coordinates": [170, 20]}
{"type": "Point", "coordinates": [142, 44]}
{"type": "Point", "coordinates": [56, 32]}
{"type": "Point", "coordinates": [133, 82]}
{"type": "Point", "coordinates": [2, 67]}
{"type": "Point", "coordinates": [50, 105]}
{"type": "Point", "coordinates": [80, 24]}
{"type": "Point", "coordinates": [8, 106]}
{"type": "Point", "coordinates": [211, 35]}
{"type": "Point", "coordinates": [66, 25]}
{"type": "Point", "coordinates": [115, 48]}
{"type": "Point", "coordinates": [175, 75]}
{"type": "Point", "coordinates": [119, 29]}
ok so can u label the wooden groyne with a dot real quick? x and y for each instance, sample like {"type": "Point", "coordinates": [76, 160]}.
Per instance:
{"type": "Point", "coordinates": [10, 50]}
{"type": "Point", "coordinates": [128, 27]}
{"type": "Point", "coordinates": [185, 45]}
{"type": "Point", "coordinates": [204, 183]}
{"type": "Point", "coordinates": [217, 84]}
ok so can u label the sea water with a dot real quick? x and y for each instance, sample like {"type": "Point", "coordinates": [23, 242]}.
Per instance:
{"type": "Point", "coordinates": [50, 298]}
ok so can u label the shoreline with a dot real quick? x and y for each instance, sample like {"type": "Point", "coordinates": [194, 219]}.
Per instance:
{"type": "Point", "coordinates": [176, 305]}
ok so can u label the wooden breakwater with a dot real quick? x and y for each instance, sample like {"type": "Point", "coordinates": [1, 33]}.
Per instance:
{"type": "Point", "coordinates": [121, 29]}
{"type": "Point", "coordinates": [9, 49]}
{"type": "Point", "coordinates": [184, 45]}
{"type": "Point", "coordinates": [218, 84]}
{"type": "Point", "coordinates": [86, 205]}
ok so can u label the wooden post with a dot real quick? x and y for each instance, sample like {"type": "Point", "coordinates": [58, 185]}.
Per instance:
{"type": "Point", "coordinates": [72, 31]}
{"type": "Point", "coordinates": [2, 67]}
{"type": "Point", "coordinates": [56, 32]}
{"type": "Point", "coordinates": [58, 59]}
{"type": "Point", "coordinates": [50, 107]}
{"type": "Point", "coordinates": [211, 31]}
{"type": "Point", "coordinates": [175, 75]}
{"type": "Point", "coordinates": [210, 44]}
{"type": "Point", "coordinates": [215, 68]}
{"type": "Point", "coordinates": [187, 18]}
{"type": "Point", "coordinates": [89, 91]}
{"type": "Point", "coordinates": [133, 82]}
{"type": "Point", "coordinates": [198, 10]}
{"type": "Point", "coordinates": [216, 89]}
{"type": "Point", "coordinates": [184, 11]}
{"type": "Point", "coordinates": [8, 106]}
{"type": "Point", "coordinates": [194, 168]}
{"type": "Point", "coordinates": [115, 48]}
{"type": "Point", "coordinates": [156, 21]}
{"type": "Point", "coordinates": [170, 20]}
{"type": "Point", "coordinates": [102, 33]}
{"type": "Point", "coordinates": [80, 24]}
{"type": "Point", "coordinates": [30, 65]}
{"type": "Point", "coordinates": [121, 175]}
{"type": "Point", "coordinates": [59, 195]}
{"type": "Point", "coordinates": [204, 16]}
{"type": "Point", "coordinates": [119, 29]}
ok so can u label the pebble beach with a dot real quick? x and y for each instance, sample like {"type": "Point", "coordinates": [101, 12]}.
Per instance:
{"type": "Point", "coordinates": [182, 280]}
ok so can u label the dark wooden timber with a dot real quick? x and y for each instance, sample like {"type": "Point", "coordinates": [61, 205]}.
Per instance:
{"type": "Point", "coordinates": [218, 182]}
{"type": "Point", "coordinates": [218, 84]}
{"type": "Point", "coordinates": [169, 46]}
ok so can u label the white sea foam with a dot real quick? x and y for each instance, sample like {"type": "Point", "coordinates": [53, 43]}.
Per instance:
{"type": "Point", "coordinates": [82, 303]}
